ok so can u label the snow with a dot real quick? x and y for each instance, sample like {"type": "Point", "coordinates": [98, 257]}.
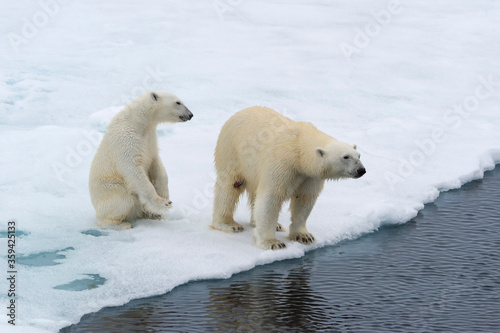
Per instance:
{"type": "Point", "coordinates": [416, 85]}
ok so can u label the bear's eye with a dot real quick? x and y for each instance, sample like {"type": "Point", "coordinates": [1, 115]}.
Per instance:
{"type": "Point", "coordinates": [178, 103]}
{"type": "Point", "coordinates": [346, 157]}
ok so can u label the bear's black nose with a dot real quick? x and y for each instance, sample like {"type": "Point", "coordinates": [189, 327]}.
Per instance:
{"type": "Point", "coordinates": [361, 172]}
{"type": "Point", "coordinates": [186, 117]}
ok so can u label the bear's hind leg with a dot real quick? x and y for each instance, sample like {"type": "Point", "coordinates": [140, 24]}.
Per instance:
{"type": "Point", "coordinates": [226, 198]}
{"type": "Point", "coordinates": [112, 212]}
{"type": "Point", "coordinates": [117, 224]}
{"type": "Point", "coordinates": [251, 203]}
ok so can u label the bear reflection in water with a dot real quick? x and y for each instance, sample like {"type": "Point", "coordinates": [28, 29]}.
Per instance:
{"type": "Point", "coordinates": [275, 299]}
{"type": "Point", "coordinates": [271, 302]}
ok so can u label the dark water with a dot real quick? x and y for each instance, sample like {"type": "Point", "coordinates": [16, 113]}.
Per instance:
{"type": "Point", "coordinates": [440, 272]}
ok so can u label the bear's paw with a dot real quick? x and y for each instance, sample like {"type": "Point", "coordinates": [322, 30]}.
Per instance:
{"type": "Point", "coordinates": [124, 226]}
{"type": "Point", "coordinates": [115, 224]}
{"type": "Point", "coordinates": [229, 226]}
{"type": "Point", "coordinates": [303, 237]}
{"type": "Point", "coordinates": [272, 244]}
{"type": "Point", "coordinates": [151, 216]}
{"type": "Point", "coordinates": [157, 206]}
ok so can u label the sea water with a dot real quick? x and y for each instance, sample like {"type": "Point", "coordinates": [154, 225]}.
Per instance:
{"type": "Point", "coordinates": [439, 272]}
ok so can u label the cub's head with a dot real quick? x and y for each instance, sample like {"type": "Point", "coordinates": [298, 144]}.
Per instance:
{"type": "Point", "coordinates": [168, 107]}
{"type": "Point", "coordinates": [340, 160]}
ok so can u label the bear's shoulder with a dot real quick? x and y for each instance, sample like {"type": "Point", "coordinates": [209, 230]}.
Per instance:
{"type": "Point", "coordinates": [310, 134]}
{"type": "Point", "coordinates": [306, 126]}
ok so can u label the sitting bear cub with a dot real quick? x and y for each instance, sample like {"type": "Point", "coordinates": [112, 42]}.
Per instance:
{"type": "Point", "coordinates": [127, 178]}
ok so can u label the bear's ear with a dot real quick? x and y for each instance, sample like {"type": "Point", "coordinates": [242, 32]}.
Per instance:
{"type": "Point", "coordinates": [355, 147]}
{"type": "Point", "coordinates": [320, 151]}
{"type": "Point", "coordinates": [154, 96]}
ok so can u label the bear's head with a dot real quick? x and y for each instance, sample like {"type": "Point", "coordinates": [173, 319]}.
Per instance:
{"type": "Point", "coordinates": [168, 107]}
{"type": "Point", "coordinates": [340, 160]}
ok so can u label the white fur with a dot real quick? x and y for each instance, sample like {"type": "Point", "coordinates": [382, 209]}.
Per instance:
{"type": "Point", "coordinates": [127, 178]}
{"type": "Point", "coordinates": [275, 159]}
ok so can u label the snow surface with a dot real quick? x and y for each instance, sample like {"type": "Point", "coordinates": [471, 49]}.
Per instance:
{"type": "Point", "coordinates": [414, 96]}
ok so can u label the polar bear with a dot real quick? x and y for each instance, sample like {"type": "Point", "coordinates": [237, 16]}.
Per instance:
{"type": "Point", "coordinates": [127, 178]}
{"type": "Point", "coordinates": [275, 159]}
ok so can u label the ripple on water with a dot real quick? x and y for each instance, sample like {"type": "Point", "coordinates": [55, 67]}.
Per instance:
{"type": "Point", "coordinates": [438, 272]}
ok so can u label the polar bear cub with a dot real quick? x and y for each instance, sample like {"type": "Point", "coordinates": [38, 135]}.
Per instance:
{"type": "Point", "coordinates": [127, 178]}
{"type": "Point", "coordinates": [275, 159]}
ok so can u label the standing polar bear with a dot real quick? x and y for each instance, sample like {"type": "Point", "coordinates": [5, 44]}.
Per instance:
{"type": "Point", "coordinates": [275, 159]}
{"type": "Point", "coordinates": [127, 178]}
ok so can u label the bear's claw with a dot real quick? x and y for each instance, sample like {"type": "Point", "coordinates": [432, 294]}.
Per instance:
{"type": "Point", "coordinates": [228, 226]}
{"type": "Point", "coordinates": [272, 244]}
{"type": "Point", "coordinates": [278, 245]}
{"type": "Point", "coordinates": [237, 228]}
{"type": "Point", "coordinates": [304, 238]}
{"type": "Point", "coordinates": [152, 216]}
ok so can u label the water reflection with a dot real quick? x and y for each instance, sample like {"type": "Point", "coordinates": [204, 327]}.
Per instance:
{"type": "Point", "coordinates": [438, 272]}
{"type": "Point", "coordinates": [272, 300]}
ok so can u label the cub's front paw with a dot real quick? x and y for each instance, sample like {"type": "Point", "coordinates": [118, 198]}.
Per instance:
{"type": "Point", "coordinates": [303, 237]}
{"type": "Point", "coordinates": [157, 206]}
{"type": "Point", "coordinates": [163, 194]}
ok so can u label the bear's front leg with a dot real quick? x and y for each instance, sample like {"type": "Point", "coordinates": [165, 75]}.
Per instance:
{"type": "Point", "coordinates": [301, 206]}
{"type": "Point", "coordinates": [159, 178]}
{"type": "Point", "coordinates": [138, 182]}
{"type": "Point", "coordinates": [267, 209]}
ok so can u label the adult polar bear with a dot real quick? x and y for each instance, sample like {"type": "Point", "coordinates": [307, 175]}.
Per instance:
{"type": "Point", "coordinates": [275, 159]}
{"type": "Point", "coordinates": [127, 178]}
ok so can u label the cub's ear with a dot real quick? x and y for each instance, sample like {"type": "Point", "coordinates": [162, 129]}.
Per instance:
{"type": "Point", "coordinates": [154, 96]}
{"type": "Point", "coordinates": [355, 147]}
{"type": "Point", "coordinates": [320, 151]}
